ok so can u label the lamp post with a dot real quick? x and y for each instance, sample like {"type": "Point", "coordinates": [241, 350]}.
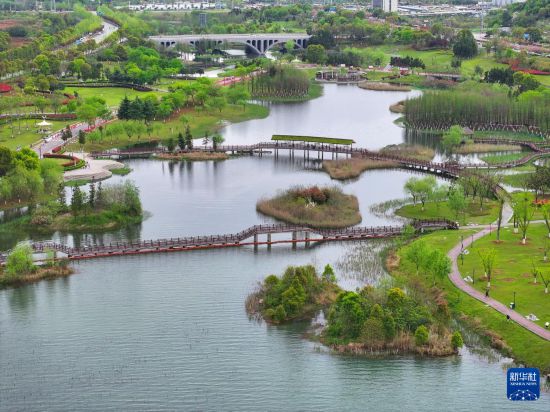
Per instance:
{"type": "Point", "coordinates": [514, 300]}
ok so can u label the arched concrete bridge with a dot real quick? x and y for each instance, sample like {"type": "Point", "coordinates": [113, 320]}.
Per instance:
{"type": "Point", "coordinates": [260, 42]}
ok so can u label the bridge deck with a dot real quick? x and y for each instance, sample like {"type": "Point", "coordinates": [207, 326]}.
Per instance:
{"type": "Point", "coordinates": [248, 236]}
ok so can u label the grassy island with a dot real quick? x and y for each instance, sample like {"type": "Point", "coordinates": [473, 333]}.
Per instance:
{"type": "Point", "coordinates": [389, 87]}
{"type": "Point", "coordinates": [326, 207]}
{"type": "Point", "coordinates": [351, 168]}
{"type": "Point", "coordinates": [20, 269]}
{"type": "Point", "coordinates": [102, 208]}
{"type": "Point", "coordinates": [298, 294]}
{"type": "Point", "coordinates": [414, 151]}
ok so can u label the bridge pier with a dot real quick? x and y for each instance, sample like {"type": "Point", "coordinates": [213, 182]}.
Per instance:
{"type": "Point", "coordinates": [255, 242]}
{"type": "Point", "coordinates": [294, 238]}
{"type": "Point", "coordinates": [307, 239]}
{"type": "Point", "coordinates": [269, 240]}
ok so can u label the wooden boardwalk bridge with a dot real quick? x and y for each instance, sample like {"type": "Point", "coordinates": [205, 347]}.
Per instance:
{"type": "Point", "coordinates": [448, 169]}
{"type": "Point", "coordinates": [247, 237]}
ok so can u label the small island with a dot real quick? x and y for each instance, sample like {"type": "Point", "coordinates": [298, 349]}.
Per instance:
{"type": "Point", "coordinates": [20, 268]}
{"type": "Point", "coordinates": [352, 168]}
{"type": "Point", "coordinates": [102, 208]}
{"type": "Point", "coordinates": [373, 321]}
{"type": "Point", "coordinates": [326, 207]}
{"type": "Point", "coordinates": [298, 294]}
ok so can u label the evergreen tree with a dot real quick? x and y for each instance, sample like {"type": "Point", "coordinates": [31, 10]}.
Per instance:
{"type": "Point", "coordinates": [465, 45]}
{"type": "Point", "coordinates": [81, 137]}
{"type": "Point", "coordinates": [181, 141]}
{"type": "Point", "coordinates": [91, 196]}
{"type": "Point", "coordinates": [77, 201]}
{"type": "Point", "coordinates": [61, 198]}
{"type": "Point", "coordinates": [205, 139]}
{"type": "Point", "coordinates": [124, 109]}
{"type": "Point", "coordinates": [99, 196]}
{"type": "Point", "coordinates": [135, 111]}
{"type": "Point", "coordinates": [188, 138]}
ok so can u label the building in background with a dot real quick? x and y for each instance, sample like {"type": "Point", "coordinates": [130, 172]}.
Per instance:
{"type": "Point", "coordinates": [388, 6]}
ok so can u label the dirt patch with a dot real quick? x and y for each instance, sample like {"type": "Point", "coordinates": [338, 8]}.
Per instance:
{"type": "Point", "coordinates": [6, 24]}
{"type": "Point", "coordinates": [507, 279]}
{"type": "Point", "coordinates": [398, 107]}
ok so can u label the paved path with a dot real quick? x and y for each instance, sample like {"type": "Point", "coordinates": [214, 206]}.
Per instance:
{"type": "Point", "coordinates": [95, 169]}
{"type": "Point", "coordinates": [459, 282]}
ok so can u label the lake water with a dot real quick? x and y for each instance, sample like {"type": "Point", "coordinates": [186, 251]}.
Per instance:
{"type": "Point", "coordinates": [170, 332]}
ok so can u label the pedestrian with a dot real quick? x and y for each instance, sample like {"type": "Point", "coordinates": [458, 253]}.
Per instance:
{"type": "Point", "coordinates": [486, 293]}
{"type": "Point", "coordinates": [507, 317]}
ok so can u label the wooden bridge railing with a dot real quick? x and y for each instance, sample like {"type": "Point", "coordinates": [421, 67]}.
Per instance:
{"type": "Point", "coordinates": [234, 238]}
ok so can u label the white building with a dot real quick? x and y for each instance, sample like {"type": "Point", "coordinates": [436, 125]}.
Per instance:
{"type": "Point", "coordinates": [389, 6]}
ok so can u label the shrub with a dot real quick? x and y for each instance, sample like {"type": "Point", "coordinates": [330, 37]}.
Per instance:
{"type": "Point", "coordinates": [280, 314]}
{"type": "Point", "coordinates": [19, 261]}
{"type": "Point", "coordinates": [421, 335]}
{"type": "Point", "coordinates": [456, 340]}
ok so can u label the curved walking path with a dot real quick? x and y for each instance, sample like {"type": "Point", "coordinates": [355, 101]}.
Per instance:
{"type": "Point", "coordinates": [459, 282]}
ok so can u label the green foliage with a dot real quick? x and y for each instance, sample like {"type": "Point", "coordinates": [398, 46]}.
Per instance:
{"type": "Point", "coordinates": [421, 335]}
{"type": "Point", "coordinates": [293, 294]}
{"type": "Point", "coordinates": [328, 274]}
{"type": "Point", "coordinates": [465, 45]}
{"type": "Point", "coordinates": [19, 261]}
{"type": "Point", "coordinates": [315, 53]}
{"type": "Point", "coordinates": [456, 340]}
{"type": "Point", "coordinates": [372, 317]}
{"type": "Point", "coordinates": [280, 82]}
{"type": "Point", "coordinates": [452, 138]}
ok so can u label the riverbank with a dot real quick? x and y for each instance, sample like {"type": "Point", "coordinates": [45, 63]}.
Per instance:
{"type": "Point", "coordinates": [507, 337]}
{"type": "Point", "coordinates": [326, 207]}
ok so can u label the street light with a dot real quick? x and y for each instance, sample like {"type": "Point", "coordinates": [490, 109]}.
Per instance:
{"type": "Point", "coordinates": [514, 300]}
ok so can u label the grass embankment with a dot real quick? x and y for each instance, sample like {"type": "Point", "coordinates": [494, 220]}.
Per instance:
{"type": "Point", "coordinates": [200, 122]}
{"type": "Point", "coordinates": [411, 151]}
{"type": "Point", "coordinates": [352, 168]}
{"type": "Point", "coordinates": [503, 158]}
{"type": "Point", "coordinates": [473, 214]}
{"type": "Point", "coordinates": [514, 340]}
{"type": "Point", "coordinates": [513, 270]}
{"type": "Point", "coordinates": [40, 273]}
{"type": "Point", "coordinates": [505, 134]}
{"type": "Point", "coordinates": [327, 207]}
{"type": "Point", "coordinates": [389, 87]}
{"type": "Point", "coordinates": [194, 156]}
{"type": "Point", "coordinates": [516, 180]}
{"type": "Point", "coordinates": [298, 294]}
{"type": "Point", "coordinates": [485, 148]}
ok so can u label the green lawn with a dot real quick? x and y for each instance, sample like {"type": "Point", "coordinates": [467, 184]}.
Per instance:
{"type": "Point", "coordinates": [435, 60]}
{"type": "Point", "coordinates": [517, 180]}
{"type": "Point", "coordinates": [503, 158]}
{"type": "Point", "coordinates": [502, 134]}
{"type": "Point", "coordinates": [467, 68]}
{"type": "Point", "coordinates": [112, 95]}
{"type": "Point", "coordinates": [473, 213]}
{"type": "Point", "coordinates": [27, 137]}
{"type": "Point", "coordinates": [544, 80]}
{"type": "Point", "coordinates": [200, 122]}
{"type": "Point", "coordinates": [512, 272]}
{"type": "Point", "coordinates": [525, 346]}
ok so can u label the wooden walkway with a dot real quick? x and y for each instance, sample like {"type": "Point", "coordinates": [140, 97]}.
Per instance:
{"type": "Point", "coordinates": [450, 169]}
{"type": "Point", "coordinates": [249, 236]}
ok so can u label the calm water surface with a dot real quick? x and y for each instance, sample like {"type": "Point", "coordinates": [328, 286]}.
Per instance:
{"type": "Point", "coordinates": [169, 332]}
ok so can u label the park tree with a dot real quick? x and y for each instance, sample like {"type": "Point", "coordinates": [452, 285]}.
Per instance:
{"type": "Point", "coordinates": [457, 201]}
{"type": "Point", "coordinates": [171, 144]}
{"type": "Point", "coordinates": [545, 210]}
{"type": "Point", "coordinates": [499, 219]}
{"type": "Point", "coordinates": [181, 141]}
{"type": "Point", "coordinates": [464, 46]}
{"type": "Point", "coordinates": [523, 214]}
{"type": "Point", "coordinates": [78, 201]}
{"type": "Point", "coordinates": [81, 138]}
{"type": "Point", "coordinates": [315, 53]}
{"type": "Point", "coordinates": [488, 259]}
{"type": "Point", "coordinates": [452, 138]}
{"type": "Point", "coordinates": [217, 140]}
{"type": "Point", "coordinates": [421, 189]}
{"type": "Point", "coordinates": [6, 160]}
{"type": "Point", "coordinates": [417, 253]}
{"type": "Point", "coordinates": [546, 280]}
{"type": "Point", "coordinates": [188, 138]}
{"type": "Point", "coordinates": [124, 109]}
{"type": "Point", "coordinates": [328, 274]}
{"type": "Point", "coordinates": [438, 265]}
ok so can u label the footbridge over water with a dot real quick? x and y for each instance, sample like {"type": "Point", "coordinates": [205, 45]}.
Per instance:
{"type": "Point", "coordinates": [247, 237]}
{"type": "Point", "coordinates": [259, 42]}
